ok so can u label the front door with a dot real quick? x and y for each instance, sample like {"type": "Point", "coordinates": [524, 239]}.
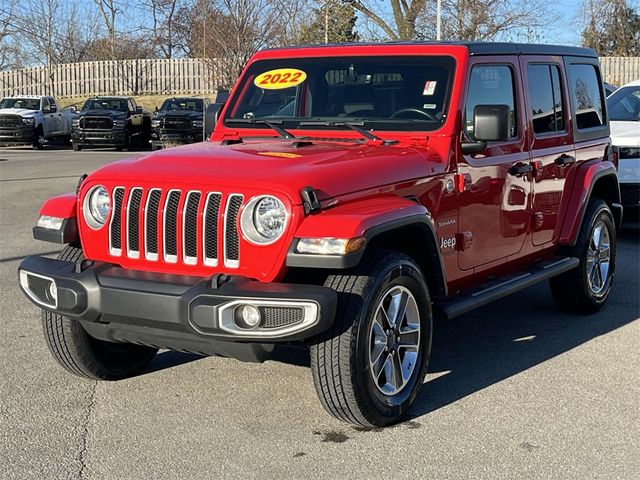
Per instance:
{"type": "Point", "coordinates": [552, 151]}
{"type": "Point", "coordinates": [495, 204]}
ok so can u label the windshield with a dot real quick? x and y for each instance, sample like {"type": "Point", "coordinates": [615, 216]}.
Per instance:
{"type": "Point", "coordinates": [382, 93]}
{"type": "Point", "coordinates": [624, 104]}
{"type": "Point", "coordinates": [26, 103]}
{"type": "Point", "coordinates": [188, 104]}
{"type": "Point", "coordinates": [105, 104]}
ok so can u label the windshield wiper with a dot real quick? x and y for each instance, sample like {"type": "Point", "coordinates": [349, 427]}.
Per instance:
{"type": "Point", "coordinates": [356, 126]}
{"type": "Point", "coordinates": [273, 124]}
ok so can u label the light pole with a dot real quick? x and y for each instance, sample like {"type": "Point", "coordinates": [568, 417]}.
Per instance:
{"type": "Point", "coordinates": [438, 20]}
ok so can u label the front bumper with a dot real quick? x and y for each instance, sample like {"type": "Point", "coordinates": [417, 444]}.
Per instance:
{"type": "Point", "coordinates": [172, 311]}
{"type": "Point", "coordinates": [102, 138]}
{"type": "Point", "coordinates": [160, 138]}
{"type": "Point", "coordinates": [19, 135]}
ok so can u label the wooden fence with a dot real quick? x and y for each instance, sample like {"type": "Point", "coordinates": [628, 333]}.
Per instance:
{"type": "Point", "coordinates": [120, 77]}
{"type": "Point", "coordinates": [620, 70]}
{"type": "Point", "coordinates": [174, 77]}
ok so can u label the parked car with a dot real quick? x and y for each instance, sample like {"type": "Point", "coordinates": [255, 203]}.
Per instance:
{"type": "Point", "coordinates": [33, 120]}
{"type": "Point", "coordinates": [111, 122]}
{"type": "Point", "coordinates": [348, 195]}
{"type": "Point", "coordinates": [624, 114]}
{"type": "Point", "coordinates": [179, 121]}
{"type": "Point", "coordinates": [609, 89]}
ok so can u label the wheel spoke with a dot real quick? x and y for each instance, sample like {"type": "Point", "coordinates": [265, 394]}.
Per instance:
{"type": "Point", "coordinates": [397, 308]}
{"type": "Point", "coordinates": [383, 319]}
{"type": "Point", "coordinates": [409, 337]}
{"type": "Point", "coordinates": [398, 377]}
{"type": "Point", "coordinates": [604, 272]}
{"type": "Point", "coordinates": [388, 370]}
{"type": "Point", "coordinates": [379, 366]}
{"type": "Point", "coordinates": [597, 232]}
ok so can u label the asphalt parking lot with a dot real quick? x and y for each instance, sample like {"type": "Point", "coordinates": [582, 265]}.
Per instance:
{"type": "Point", "coordinates": [514, 390]}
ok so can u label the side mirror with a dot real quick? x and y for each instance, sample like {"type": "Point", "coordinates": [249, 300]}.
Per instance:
{"type": "Point", "coordinates": [211, 116]}
{"type": "Point", "coordinates": [73, 109]}
{"type": "Point", "coordinates": [491, 123]}
{"type": "Point", "coordinates": [138, 109]}
{"type": "Point", "coordinates": [219, 106]}
{"type": "Point", "coordinates": [53, 109]}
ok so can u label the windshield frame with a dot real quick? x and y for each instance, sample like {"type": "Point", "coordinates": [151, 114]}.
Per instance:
{"type": "Point", "coordinates": [450, 62]}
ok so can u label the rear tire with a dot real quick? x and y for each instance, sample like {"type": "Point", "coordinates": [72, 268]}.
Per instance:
{"type": "Point", "coordinates": [364, 371]}
{"type": "Point", "coordinates": [84, 355]}
{"type": "Point", "coordinates": [586, 288]}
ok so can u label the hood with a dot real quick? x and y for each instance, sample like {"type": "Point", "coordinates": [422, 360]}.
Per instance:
{"type": "Point", "coordinates": [23, 112]}
{"type": "Point", "coordinates": [625, 134]}
{"type": "Point", "coordinates": [101, 113]}
{"type": "Point", "coordinates": [332, 169]}
{"type": "Point", "coordinates": [191, 114]}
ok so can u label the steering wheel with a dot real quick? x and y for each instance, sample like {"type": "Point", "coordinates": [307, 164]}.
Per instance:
{"type": "Point", "coordinates": [414, 110]}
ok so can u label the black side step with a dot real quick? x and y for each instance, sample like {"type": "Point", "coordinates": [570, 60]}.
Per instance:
{"type": "Point", "coordinates": [501, 287]}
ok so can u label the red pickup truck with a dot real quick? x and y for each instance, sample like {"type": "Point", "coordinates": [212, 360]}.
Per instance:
{"type": "Point", "coordinates": [348, 195]}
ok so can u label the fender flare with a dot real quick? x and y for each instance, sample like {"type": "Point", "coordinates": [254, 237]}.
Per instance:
{"type": "Point", "coordinates": [61, 206]}
{"type": "Point", "coordinates": [584, 181]}
{"type": "Point", "coordinates": [371, 219]}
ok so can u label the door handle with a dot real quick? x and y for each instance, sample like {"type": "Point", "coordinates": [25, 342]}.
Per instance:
{"type": "Point", "coordinates": [520, 169]}
{"type": "Point", "coordinates": [564, 159]}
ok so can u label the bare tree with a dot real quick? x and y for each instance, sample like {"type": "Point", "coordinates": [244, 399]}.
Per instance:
{"type": "Point", "coordinates": [611, 27]}
{"type": "Point", "coordinates": [8, 47]}
{"type": "Point", "coordinates": [162, 30]}
{"type": "Point", "coordinates": [404, 14]}
{"type": "Point", "coordinates": [486, 20]}
{"type": "Point", "coordinates": [109, 10]}
{"type": "Point", "coordinates": [228, 32]}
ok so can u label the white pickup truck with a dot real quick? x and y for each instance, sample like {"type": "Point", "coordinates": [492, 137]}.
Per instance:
{"type": "Point", "coordinates": [33, 120]}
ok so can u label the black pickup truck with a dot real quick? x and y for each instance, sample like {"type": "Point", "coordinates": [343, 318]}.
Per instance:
{"type": "Point", "coordinates": [179, 121]}
{"type": "Point", "coordinates": [110, 122]}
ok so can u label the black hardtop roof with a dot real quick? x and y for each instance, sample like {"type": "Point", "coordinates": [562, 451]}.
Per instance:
{"type": "Point", "coordinates": [480, 48]}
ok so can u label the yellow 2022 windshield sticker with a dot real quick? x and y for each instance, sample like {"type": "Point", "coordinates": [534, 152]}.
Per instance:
{"type": "Point", "coordinates": [280, 78]}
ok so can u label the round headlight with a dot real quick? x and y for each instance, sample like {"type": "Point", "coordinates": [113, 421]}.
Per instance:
{"type": "Point", "coordinates": [263, 220]}
{"type": "Point", "coordinates": [97, 205]}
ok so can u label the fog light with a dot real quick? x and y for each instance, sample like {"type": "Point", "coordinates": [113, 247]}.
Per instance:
{"type": "Point", "coordinates": [247, 316]}
{"type": "Point", "coordinates": [53, 293]}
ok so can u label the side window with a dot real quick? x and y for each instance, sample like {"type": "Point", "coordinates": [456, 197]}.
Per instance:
{"type": "Point", "coordinates": [45, 105]}
{"type": "Point", "coordinates": [587, 96]}
{"type": "Point", "coordinates": [490, 85]}
{"type": "Point", "coordinates": [545, 98]}
{"type": "Point", "coordinates": [132, 106]}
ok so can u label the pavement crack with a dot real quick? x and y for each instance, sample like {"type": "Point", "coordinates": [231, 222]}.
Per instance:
{"type": "Point", "coordinates": [85, 433]}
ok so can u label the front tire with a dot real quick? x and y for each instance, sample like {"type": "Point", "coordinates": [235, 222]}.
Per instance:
{"type": "Point", "coordinates": [586, 288]}
{"type": "Point", "coordinates": [369, 366]}
{"type": "Point", "coordinates": [84, 355]}
{"type": "Point", "coordinates": [38, 139]}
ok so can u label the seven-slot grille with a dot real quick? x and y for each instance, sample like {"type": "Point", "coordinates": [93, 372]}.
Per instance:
{"type": "Point", "coordinates": [96, 123]}
{"type": "Point", "coordinates": [175, 225]}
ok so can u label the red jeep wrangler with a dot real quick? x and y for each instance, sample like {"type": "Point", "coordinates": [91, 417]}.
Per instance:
{"type": "Point", "coordinates": [347, 196]}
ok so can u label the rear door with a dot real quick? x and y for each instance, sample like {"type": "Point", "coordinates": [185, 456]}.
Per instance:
{"type": "Point", "coordinates": [552, 151]}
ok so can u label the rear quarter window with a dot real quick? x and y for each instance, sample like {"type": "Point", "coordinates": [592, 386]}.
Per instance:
{"type": "Point", "coordinates": [584, 84]}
